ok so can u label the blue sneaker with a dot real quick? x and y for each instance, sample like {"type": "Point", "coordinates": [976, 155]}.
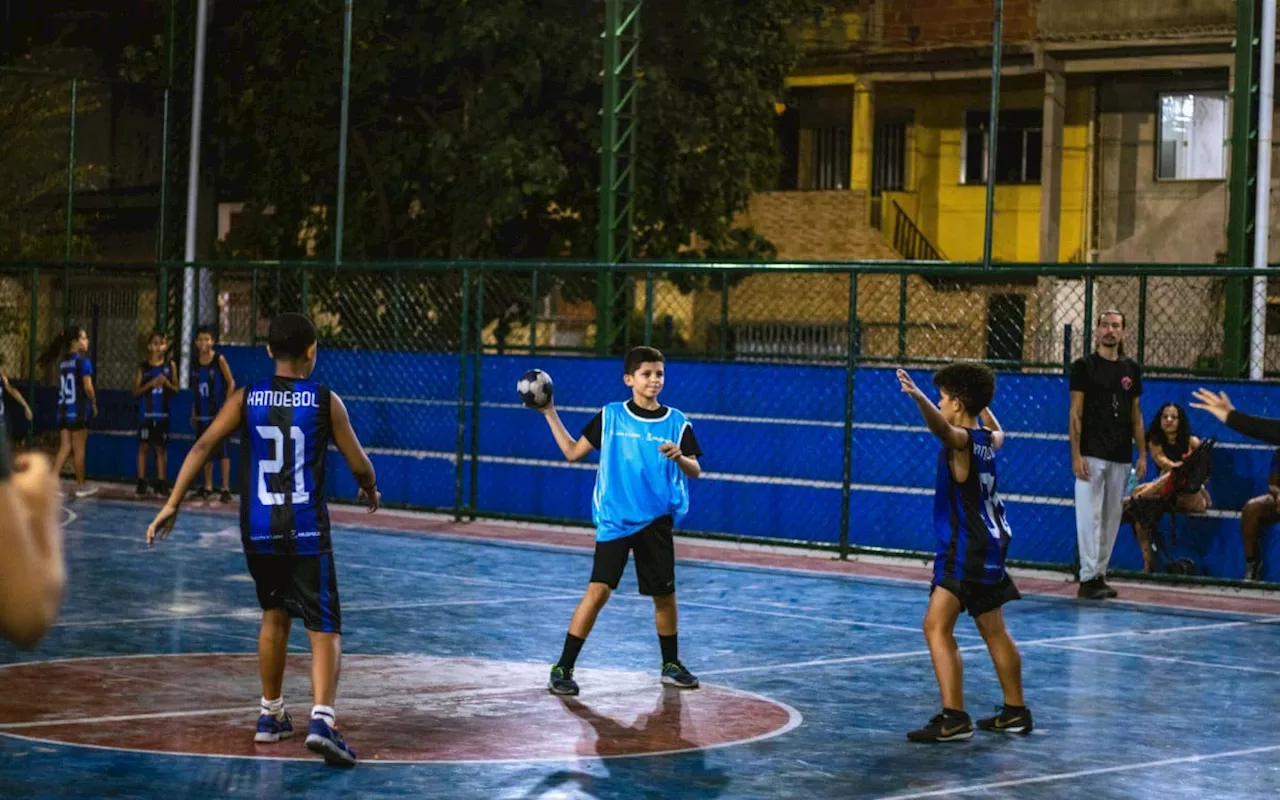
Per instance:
{"type": "Point", "coordinates": [562, 681]}
{"type": "Point", "coordinates": [674, 674]}
{"type": "Point", "coordinates": [272, 728]}
{"type": "Point", "coordinates": [328, 743]}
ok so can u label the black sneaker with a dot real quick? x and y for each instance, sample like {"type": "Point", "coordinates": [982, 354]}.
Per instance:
{"type": "Point", "coordinates": [162, 489]}
{"type": "Point", "coordinates": [1253, 570]}
{"type": "Point", "coordinates": [562, 681]}
{"type": "Point", "coordinates": [1106, 587]}
{"type": "Point", "coordinates": [142, 488]}
{"type": "Point", "coordinates": [202, 494]}
{"type": "Point", "coordinates": [225, 496]}
{"type": "Point", "coordinates": [1007, 721]}
{"type": "Point", "coordinates": [1092, 589]}
{"type": "Point", "coordinates": [674, 674]}
{"type": "Point", "coordinates": [944, 727]}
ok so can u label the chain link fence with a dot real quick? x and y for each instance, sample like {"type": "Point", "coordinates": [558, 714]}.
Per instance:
{"type": "Point", "coordinates": [786, 371]}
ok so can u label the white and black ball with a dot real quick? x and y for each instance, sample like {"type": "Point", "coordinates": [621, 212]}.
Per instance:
{"type": "Point", "coordinates": [535, 388]}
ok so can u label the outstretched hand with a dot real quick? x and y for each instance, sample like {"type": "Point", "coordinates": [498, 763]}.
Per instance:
{"type": "Point", "coordinates": [908, 385]}
{"type": "Point", "coordinates": [1216, 403]}
{"type": "Point", "coordinates": [162, 525]}
{"type": "Point", "coordinates": [371, 496]}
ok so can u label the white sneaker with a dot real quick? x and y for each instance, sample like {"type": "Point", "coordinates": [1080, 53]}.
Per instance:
{"type": "Point", "coordinates": [88, 491]}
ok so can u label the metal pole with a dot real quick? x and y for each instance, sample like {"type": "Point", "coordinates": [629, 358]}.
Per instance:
{"type": "Point", "coordinates": [71, 209]}
{"type": "Point", "coordinates": [850, 365]}
{"type": "Point", "coordinates": [1261, 231]}
{"type": "Point", "coordinates": [1241, 208]}
{"type": "Point", "coordinates": [473, 489]}
{"type": "Point", "coordinates": [343, 126]}
{"type": "Point", "coordinates": [161, 238]}
{"type": "Point", "coordinates": [462, 398]}
{"type": "Point", "coordinates": [993, 124]}
{"type": "Point", "coordinates": [193, 198]}
{"type": "Point", "coordinates": [33, 327]}
{"type": "Point", "coordinates": [1142, 319]}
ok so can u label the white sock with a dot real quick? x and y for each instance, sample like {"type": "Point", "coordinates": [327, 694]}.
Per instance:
{"type": "Point", "coordinates": [275, 707]}
{"type": "Point", "coordinates": [325, 713]}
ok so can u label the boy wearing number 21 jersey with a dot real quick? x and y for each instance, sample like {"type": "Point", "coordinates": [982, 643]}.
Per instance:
{"type": "Point", "coordinates": [286, 423]}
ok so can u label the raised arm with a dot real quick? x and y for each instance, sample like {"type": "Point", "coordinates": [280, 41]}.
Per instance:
{"type": "Point", "coordinates": [1219, 405]}
{"type": "Point", "coordinates": [951, 436]}
{"type": "Point", "coordinates": [573, 449]}
{"type": "Point", "coordinates": [344, 436]}
{"type": "Point", "coordinates": [993, 425]}
{"type": "Point", "coordinates": [171, 382]}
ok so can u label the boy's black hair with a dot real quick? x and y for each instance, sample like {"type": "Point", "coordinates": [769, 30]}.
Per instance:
{"type": "Point", "coordinates": [973, 384]}
{"type": "Point", "coordinates": [155, 334]}
{"type": "Point", "coordinates": [290, 336]}
{"type": "Point", "coordinates": [209, 330]}
{"type": "Point", "coordinates": [641, 355]}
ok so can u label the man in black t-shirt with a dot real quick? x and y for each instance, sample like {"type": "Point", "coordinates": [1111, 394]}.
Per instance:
{"type": "Point", "coordinates": [1106, 422]}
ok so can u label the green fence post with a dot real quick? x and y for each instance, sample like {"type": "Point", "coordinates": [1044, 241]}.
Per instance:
{"type": "Point", "coordinates": [475, 395]}
{"type": "Point", "coordinates": [71, 208]}
{"type": "Point", "coordinates": [902, 318]}
{"type": "Point", "coordinates": [1087, 339]}
{"type": "Point", "coordinates": [462, 397]}
{"type": "Point", "coordinates": [648, 308]}
{"type": "Point", "coordinates": [1142, 318]}
{"type": "Point", "coordinates": [533, 314]}
{"type": "Point", "coordinates": [850, 365]}
{"type": "Point", "coordinates": [993, 127]}
{"type": "Point", "coordinates": [306, 291]}
{"type": "Point", "coordinates": [33, 326]}
{"type": "Point", "coordinates": [724, 317]}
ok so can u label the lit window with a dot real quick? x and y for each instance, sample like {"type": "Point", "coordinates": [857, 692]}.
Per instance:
{"type": "Point", "coordinates": [1193, 137]}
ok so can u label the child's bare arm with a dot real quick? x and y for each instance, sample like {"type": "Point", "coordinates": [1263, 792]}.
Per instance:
{"type": "Point", "coordinates": [344, 436]}
{"type": "Point", "coordinates": [953, 437]}
{"type": "Point", "coordinates": [226, 373]}
{"type": "Point", "coordinates": [223, 425]}
{"type": "Point", "coordinates": [171, 382]}
{"type": "Point", "coordinates": [91, 394]}
{"type": "Point", "coordinates": [993, 424]}
{"type": "Point", "coordinates": [140, 388]}
{"type": "Point", "coordinates": [573, 449]}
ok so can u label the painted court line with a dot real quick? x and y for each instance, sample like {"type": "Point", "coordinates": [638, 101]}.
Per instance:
{"type": "Point", "coordinates": [1165, 659]}
{"type": "Point", "coordinates": [827, 662]}
{"type": "Point", "coordinates": [254, 613]}
{"type": "Point", "coordinates": [1084, 773]}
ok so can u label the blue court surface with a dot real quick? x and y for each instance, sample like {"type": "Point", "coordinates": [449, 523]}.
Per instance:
{"type": "Point", "coordinates": [148, 686]}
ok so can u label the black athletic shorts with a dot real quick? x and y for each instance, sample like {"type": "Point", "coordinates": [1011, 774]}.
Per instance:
{"type": "Point", "coordinates": [304, 586]}
{"type": "Point", "coordinates": [154, 432]}
{"type": "Point", "coordinates": [979, 598]}
{"type": "Point", "coordinates": [72, 426]}
{"type": "Point", "coordinates": [220, 450]}
{"type": "Point", "coordinates": [655, 554]}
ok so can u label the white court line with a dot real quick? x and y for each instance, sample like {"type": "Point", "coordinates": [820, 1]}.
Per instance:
{"type": "Point", "coordinates": [1166, 659]}
{"type": "Point", "coordinates": [1084, 773]}
{"type": "Point", "coordinates": [811, 618]}
{"type": "Point", "coordinates": [254, 613]}
{"type": "Point", "coordinates": [826, 662]}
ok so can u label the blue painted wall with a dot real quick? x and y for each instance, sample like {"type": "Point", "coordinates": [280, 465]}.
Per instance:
{"type": "Point", "coordinates": [772, 436]}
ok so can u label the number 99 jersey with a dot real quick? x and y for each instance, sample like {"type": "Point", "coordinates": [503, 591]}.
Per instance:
{"type": "Point", "coordinates": [284, 441]}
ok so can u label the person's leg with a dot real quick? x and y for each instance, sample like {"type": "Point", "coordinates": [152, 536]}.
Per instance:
{"type": "Point", "coordinates": [208, 476]}
{"type": "Point", "coordinates": [79, 440]}
{"type": "Point", "coordinates": [273, 648]}
{"type": "Point", "coordinates": [584, 616]}
{"type": "Point", "coordinates": [315, 588]}
{"type": "Point", "coordinates": [162, 466]}
{"type": "Point", "coordinates": [142, 462]}
{"type": "Point", "coordinates": [326, 666]}
{"type": "Point", "coordinates": [1004, 655]}
{"type": "Point", "coordinates": [939, 634]}
{"type": "Point", "coordinates": [1257, 512]}
{"type": "Point", "coordinates": [1142, 532]}
{"type": "Point", "coordinates": [1089, 520]}
{"type": "Point", "coordinates": [1116, 478]}
{"type": "Point", "coordinates": [226, 473]}
{"type": "Point", "coordinates": [64, 452]}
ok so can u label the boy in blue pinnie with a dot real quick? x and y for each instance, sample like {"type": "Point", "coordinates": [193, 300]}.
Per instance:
{"type": "Point", "coordinates": [647, 454]}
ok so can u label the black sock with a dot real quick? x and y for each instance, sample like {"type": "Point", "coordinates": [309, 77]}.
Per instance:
{"type": "Point", "coordinates": [572, 646]}
{"type": "Point", "coordinates": [670, 651]}
{"type": "Point", "coordinates": [1014, 709]}
{"type": "Point", "coordinates": [951, 712]}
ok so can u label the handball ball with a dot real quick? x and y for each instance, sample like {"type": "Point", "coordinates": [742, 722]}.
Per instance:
{"type": "Point", "coordinates": [535, 388]}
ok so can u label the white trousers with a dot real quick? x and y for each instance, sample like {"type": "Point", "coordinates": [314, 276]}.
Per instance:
{"type": "Point", "coordinates": [1099, 504]}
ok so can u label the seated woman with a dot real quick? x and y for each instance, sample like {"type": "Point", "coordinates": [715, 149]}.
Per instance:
{"type": "Point", "coordinates": [1170, 441]}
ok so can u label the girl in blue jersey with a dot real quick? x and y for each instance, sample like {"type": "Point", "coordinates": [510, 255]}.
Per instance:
{"type": "Point", "coordinates": [647, 454]}
{"type": "Point", "coordinates": [154, 385]}
{"type": "Point", "coordinates": [77, 400]}
{"type": "Point", "coordinates": [972, 540]}
{"type": "Point", "coordinates": [211, 385]}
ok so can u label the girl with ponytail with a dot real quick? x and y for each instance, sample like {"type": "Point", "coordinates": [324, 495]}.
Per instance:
{"type": "Point", "coordinates": [77, 400]}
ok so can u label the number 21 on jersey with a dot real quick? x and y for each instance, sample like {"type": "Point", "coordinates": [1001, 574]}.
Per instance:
{"type": "Point", "coordinates": [300, 495]}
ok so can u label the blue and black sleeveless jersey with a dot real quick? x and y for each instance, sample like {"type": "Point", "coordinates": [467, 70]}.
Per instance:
{"type": "Point", "coordinates": [968, 518]}
{"type": "Point", "coordinates": [284, 439]}
{"type": "Point", "coordinates": [209, 387]}
{"type": "Point", "coordinates": [73, 405]}
{"type": "Point", "coordinates": [154, 404]}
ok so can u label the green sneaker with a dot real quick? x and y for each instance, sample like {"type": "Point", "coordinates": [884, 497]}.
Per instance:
{"type": "Point", "coordinates": [562, 681]}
